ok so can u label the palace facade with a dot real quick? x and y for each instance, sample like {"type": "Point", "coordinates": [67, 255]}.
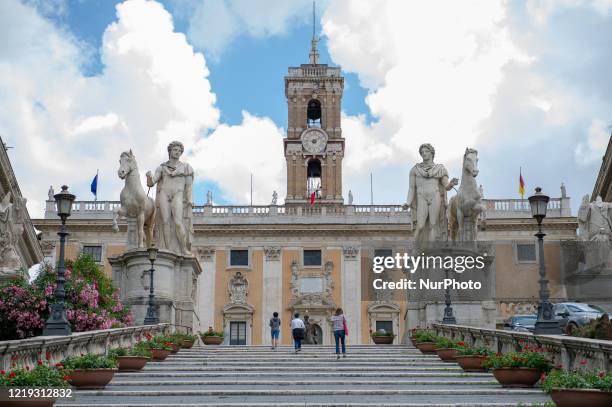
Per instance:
{"type": "Point", "coordinates": [308, 258]}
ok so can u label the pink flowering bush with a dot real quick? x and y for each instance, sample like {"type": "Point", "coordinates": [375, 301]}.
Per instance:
{"type": "Point", "coordinates": [91, 301]}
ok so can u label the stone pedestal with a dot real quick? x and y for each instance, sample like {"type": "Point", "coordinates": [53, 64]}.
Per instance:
{"type": "Point", "coordinates": [175, 285]}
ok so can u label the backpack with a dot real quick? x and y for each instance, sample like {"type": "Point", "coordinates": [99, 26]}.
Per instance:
{"type": "Point", "coordinates": [275, 323]}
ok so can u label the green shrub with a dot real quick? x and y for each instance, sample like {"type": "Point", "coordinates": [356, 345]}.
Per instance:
{"type": "Point", "coordinates": [577, 379]}
{"type": "Point", "coordinates": [42, 375]}
{"type": "Point", "coordinates": [535, 359]}
{"type": "Point", "coordinates": [445, 343]}
{"type": "Point", "coordinates": [425, 336]}
{"type": "Point", "coordinates": [473, 351]}
{"type": "Point", "coordinates": [600, 328]}
{"type": "Point", "coordinates": [89, 361]}
{"type": "Point", "coordinates": [210, 332]}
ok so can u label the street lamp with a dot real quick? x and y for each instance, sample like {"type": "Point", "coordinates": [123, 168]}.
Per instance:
{"type": "Point", "coordinates": [546, 323]}
{"type": "Point", "coordinates": [449, 317]}
{"type": "Point", "coordinates": [58, 324]}
{"type": "Point", "coordinates": [152, 318]}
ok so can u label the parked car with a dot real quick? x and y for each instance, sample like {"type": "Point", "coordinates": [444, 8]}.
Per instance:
{"type": "Point", "coordinates": [572, 315]}
{"type": "Point", "coordinates": [521, 323]}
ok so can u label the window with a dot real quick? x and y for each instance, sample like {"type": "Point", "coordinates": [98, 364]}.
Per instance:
{"type": "Point", "coordinates": [383, 252]}
{"type": "Point", "coordinates": [386, 325]}
{"type": "Point", "coordinates": [312, 257]}
{"type": "Point", "coordinates": [94, 251]}
{"type": "Point", "coordinates": [313, 182]}
{"type": "Point", "coordinates": [526, 252]}
{"type": "Point", "coordinates": [239, 258]}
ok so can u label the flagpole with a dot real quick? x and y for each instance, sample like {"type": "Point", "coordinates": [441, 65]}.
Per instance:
{"type": "Point", "coordinates": [97, 179]}
{"type": "Point", "coordinates": [251, 189]}
{"type": "Point", "coordinates": [371, 190]}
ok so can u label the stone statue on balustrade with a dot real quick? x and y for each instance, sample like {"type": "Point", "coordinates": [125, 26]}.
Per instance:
{"type": "Point", "coordinates": [274, 198]}
{"type": "Point", "coordinates": [173, 200]}
{"type": "Point", "coordinates": [428, 185]}
{"type": "Point", "coordinates": [595, 220]}
{"type": "Point", "coordinates": [135, 204]}
{"type": "Point", "coordinates": [11, 229]}
{"type": "Point", "coordinates": [466, 206]}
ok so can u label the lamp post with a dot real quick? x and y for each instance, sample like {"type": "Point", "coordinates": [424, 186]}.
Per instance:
{"type": "Point", "coordinates": [449, 317]}
{"type": "Point", "coordinates": [152, 318]}
{"type": "Point", "coordinates": [58, 324]}
{"type": "Point", "coordinates": [546, 323]}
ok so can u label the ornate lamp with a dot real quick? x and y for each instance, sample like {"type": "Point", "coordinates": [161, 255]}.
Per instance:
{"type": "Point", "coordinates": [151, 318]}
{"type": "Point", "coordinates": [58, 324]}
{"type": "Point", "coordinates": [546, 323]}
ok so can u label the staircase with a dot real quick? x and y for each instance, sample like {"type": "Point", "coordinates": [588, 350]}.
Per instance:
{"type": "Point", "coordinates": [258, 376]}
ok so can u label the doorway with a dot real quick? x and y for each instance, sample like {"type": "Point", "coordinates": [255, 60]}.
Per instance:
{"type": "Point", "coordinates": [237, 333]}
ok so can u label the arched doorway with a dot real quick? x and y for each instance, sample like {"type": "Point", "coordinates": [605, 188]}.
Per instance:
{"type": "Point", "coordinates": [313, 181]}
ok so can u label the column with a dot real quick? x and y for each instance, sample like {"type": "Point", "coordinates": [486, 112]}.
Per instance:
{"type": "Point", "coordinates": [206, 289]}
{"type": "Point", "coordinates": [272, 290]}
{"type": "Point", "coordinates": [351, 291]}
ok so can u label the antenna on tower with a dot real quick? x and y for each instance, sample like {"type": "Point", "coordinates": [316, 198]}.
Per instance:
{"type": "Point", "coordinates": [314, 54]}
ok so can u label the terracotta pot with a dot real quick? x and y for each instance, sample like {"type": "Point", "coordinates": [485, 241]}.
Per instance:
{"type": "Point", "coordinates": [159, 354]}
{"type": "Point", "coordinates": [91, 378]}
{"type": "Point", "coordinates": [413, 340]}
{"type": "Point", "coordinates": [212, 340]}
{"type": "Point", "coordinates": [517, 377]}
{"type": "Point", "coordinates": [187, 344]}
{"type": "Point", "coordinates": [447, 354]}
{"type": "Point", "coordinates": [41, 402]}
{"type": "Point", "coordinates": [175, 348]}
{"type": "Point", "coordinates": [132, 363]}
{"type": "Point", "coordinates": [428, 348]}
{"type": "Point", "coordinates": [383, 340]}
{"type": "Point", "coordinates": [581, 397]}
{"type": "Point", "coordinates": [471, 363]}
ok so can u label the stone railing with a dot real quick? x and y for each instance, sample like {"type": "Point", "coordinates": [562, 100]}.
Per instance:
{"type": "Point", "coordinates": [26, 352]}
{"type": "Point", "coordinates": [567, 351]}
{"type": "Point", "coordinates": [313, 71]}
{"type": "Point", "coordinates": [494, 208]}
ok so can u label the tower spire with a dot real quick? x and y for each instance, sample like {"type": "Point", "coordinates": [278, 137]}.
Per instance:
{"type": "Point", "coordinates": [314, 54]}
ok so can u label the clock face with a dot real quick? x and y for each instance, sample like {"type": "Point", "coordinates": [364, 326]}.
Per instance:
{"type": "Point", "coordinates": [314, 141]}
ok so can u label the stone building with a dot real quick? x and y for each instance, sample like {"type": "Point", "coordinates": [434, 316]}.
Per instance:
{"type": "Point", "coordinates": [19, 245]}
{"type": "Point", "coordinates": [309, 258]}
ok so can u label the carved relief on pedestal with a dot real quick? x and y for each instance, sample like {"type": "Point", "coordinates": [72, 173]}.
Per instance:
{"type": "Point", "coordinates": [272, 253]}
{"type": "Point", "coordinates": [238, 288]}
{"type": "Point", "coordinates": [11, 229]}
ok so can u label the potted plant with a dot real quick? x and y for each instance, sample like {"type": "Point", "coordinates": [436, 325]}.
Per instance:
{"type": "Point", "coordinates": [212, 337]}
{"type": "Point", "coordinates": [382, 337]}
{"type": "Point", "coordinates": [579, 387]}
{"type": "Point", "coordinates": [188, 341]}
{"type": "Point", "coordinates": [426, 342]}
{"type": "Point", "coordinates": [159, 346]}
{"type": "Point", "coordinates": [42, 375]}
{"type": "Point", "coordinates": [518, 369]}
{"type": "Point", "coordinates": [90, 371]}
{"type": "Point", "coordinates": [446, 349]}
{"type": "Point", "coordinates": [470, 358]}
{"type": "Point", "coordinates": [131, 360]}
{"type": "Point", "coordinates": [413, 333]}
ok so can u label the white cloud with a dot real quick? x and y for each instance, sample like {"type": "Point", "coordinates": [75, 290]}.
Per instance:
{"type": "Point", "coordinates": [231, 153]}
{"type": "Point", "coordinates": [596, 142]}
{"type": "Point", "coordinates": [213, 24]}
{"type": "Point", "coordinates": [64, 126]}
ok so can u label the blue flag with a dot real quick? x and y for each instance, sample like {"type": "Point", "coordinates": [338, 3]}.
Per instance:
{"type": "Point", "coordinates": [94, 186]}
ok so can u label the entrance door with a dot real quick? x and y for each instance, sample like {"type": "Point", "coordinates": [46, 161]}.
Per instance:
{"type": "Point", "coordinates": [238, 333]}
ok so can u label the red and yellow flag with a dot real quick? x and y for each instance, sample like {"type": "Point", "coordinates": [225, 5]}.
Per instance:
{"type": "Point", "coordinates": [521, 184]}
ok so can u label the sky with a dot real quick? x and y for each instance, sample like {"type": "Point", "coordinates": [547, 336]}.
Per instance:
{"type": "Point", "coordinates": [526, 83]}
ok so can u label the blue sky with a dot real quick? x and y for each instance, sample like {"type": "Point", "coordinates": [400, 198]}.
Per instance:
{"type": "Point", "coordinates": [525, 83]}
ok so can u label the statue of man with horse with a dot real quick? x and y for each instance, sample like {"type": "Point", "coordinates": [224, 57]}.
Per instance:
{"type": "Point", "coordinates": [465, 207]}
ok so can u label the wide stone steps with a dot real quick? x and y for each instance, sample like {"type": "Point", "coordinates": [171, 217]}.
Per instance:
{"type": "Point", "coordinates": [258, 376]}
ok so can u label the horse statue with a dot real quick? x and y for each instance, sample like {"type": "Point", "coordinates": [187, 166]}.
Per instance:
{"type": "Point", "coordinates": [465, 207]}
{"type": "Point", "coordinates": [134, 202]}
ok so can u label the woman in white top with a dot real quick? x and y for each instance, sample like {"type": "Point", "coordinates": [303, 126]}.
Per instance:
{"type": "Point", "coordinates": [339, 327]}
{"type": "Point", "coordinates": [297, 329]}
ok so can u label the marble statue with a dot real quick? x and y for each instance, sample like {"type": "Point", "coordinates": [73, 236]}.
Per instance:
{"type": "Point", "coordinates": [350, 197]}
{"type": "Point", "coordinates": [274, 197]}
{"type": "Point", "coordinates": [209, 197]}
{"type": "Point", "coordinates": [135, 203]}
{"type": "Point", "coordinates": [481, 190]}
{"type": "Point", "coordinates": [465, 207]}
{"type": "Point", "coordinates": [595, 219]}
{"type": "Point", "coordinates": [563, 191]}
{"type": "Point", "coordinates": [428, 185]}
{"type": "Point", "coordinates": [11, 229]}
{"type": "Point", "coordinates": [173, 200]}
{"type": "Point", "coordinates": [51, 194]}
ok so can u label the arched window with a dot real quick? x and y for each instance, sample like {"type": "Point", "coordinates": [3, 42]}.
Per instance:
{"type": "Point", "coordinates": [313, 113]}
{"type": "Point", "coordinates": [313, 174]}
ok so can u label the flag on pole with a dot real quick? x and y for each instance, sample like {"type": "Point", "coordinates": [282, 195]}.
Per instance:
{"type": "Point", "coordinates": [521, 184]}
{"type": "Point", "coordinates": [313, 197]}
{"type": "Point", "coordinates": [94, 186]}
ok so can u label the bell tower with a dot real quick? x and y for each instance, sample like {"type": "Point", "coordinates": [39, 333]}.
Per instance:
{"type": "Point", "coordinates": [314, 146]}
